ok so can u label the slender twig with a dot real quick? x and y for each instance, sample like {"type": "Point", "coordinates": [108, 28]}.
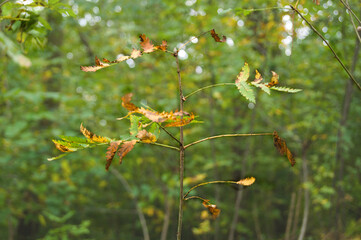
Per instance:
{"type": "Point", "coordinates": [171, 135]}
{"type": "Point", "coordinates": [164, 145]}
{"type": "Point", "coordinates": [354, 27]}
{"type": "Point", "coordinates": [206, 183]}
{"type": "Point", "coordinates": [196, 197]}
{"type": "Point", "coordinates": [206, 87]}
{"type": "Point", "coordinates": [181, 152]}
{"type": "Point", "coordinates": [259, 9]}
{"type": "Point", "coordinates": [350, 10]}
{"type": "Point", "coordinates": [192, 40]}
{"type": "Point", "coordinates": [329, 46]}
{"type": "Point", "coordinates": [228, 135]}
{"type": "Point", "coordinates": [4, 2]}
{"type": "Point", "coordinates": [14, 18]}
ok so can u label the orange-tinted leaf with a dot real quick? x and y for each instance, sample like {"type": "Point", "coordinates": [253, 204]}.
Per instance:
{"type": "Point", "coordinates": [216, 37]}
{"type": "Point", "coordinates": [146, 44]}
{"type": "Point", "coordinates": [212, 209]}
{"type": "Point", "coordinates": [127, 104]}
{"type": "Point", "coordinates": [274, 80]}
{"type": "Point", "coordinates": [281, 146]}
{"type": "Point", "coordinates": [163, 46]}
{"type": "Point", "coordinates": [125, 149]}
{"type": "Point", "coordinates": [258, 77]}
{"type": "Point", "coordinates": [94, 138]}
{"type": "Point", "coordinates": [246, 181]}
{"type": "Point", "coordinates": [135, 53]}
{"type": "Point", "coordinates": [112, 149]}
{"type": "Point", "coordinates": [61, 147]}
{"type": "Point", "coordinates": [181, 122]}
{"type": "Point", "coordinates": [97, 61]}
{"type": "Point", "coordinates": [146, 137]}
{"type": "Point", "coordinates": [155, 116]}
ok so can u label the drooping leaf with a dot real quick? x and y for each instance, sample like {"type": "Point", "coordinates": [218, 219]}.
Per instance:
{"type": "Point", "coordinates": [286, 89]}
{"type": "Point", "coordinates": [212, 209]}
{"type": "Point", "coordinates": [125, 149]}
{"type": "Point", "coordinates": [94, 138]}
{"type": "Point", "coordinates": [111, 150]}
{"type": "Point", "coordinates": [246, 181]}
{"type": "Point", "coordinates": [181, 122]}
{"type": "Point", "coordinates": [146, 44]}
{"type": "Point", "coordinates": [216, 37]}
{"type": "Point", "coordinates": [281, 146]}
{"type": "Point", "coordinates": [274, 80]}
{"type": "Point", "coordinates": [146, 137]}
{"type": "Point", "coordinates": [127, 104]}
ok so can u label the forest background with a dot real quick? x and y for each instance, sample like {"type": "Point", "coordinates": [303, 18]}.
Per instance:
{"type": "Point", "coordinates": [44, 94]}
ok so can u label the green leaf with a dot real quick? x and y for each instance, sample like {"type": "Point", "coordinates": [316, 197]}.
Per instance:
{"type": "Point", "coordinates": [57, 157]}
{"type": "Point", "coordinates": [262, 86]}
{"type": "Point", "coordinates": [154, 129]}
{"type": "Point", "coordinates": [134, 125]}
{"type": "Point", "coordinates": [71, 145]}
{"type": "Point", "coordinates": [286, 89]}
{"type": "Point", "coordinates": [244, 74]}
{"type": "Point", "coordinates": [45, 23]}
{"type": "Point", "coordinates": [75, 139]}
{"type": "Point", "coordinates": [246, 91]}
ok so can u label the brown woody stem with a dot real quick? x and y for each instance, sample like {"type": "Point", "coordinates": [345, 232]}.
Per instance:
{"type": "Point", "coordinates": [329, 46]}
{"type": "Point", "coordinates": [181, 152]}
{"type": "Point", "coordinates": [228, 135]}
{"type": "Point", "coordinates": [350, 10]}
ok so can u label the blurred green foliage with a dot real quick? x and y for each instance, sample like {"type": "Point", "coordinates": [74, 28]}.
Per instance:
{"type": "Point", "coordinates": [44, 94]}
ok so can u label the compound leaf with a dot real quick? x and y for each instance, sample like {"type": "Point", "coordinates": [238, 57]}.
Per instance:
{"type": "Point", "coordinates": [246, 91]}
{"type": "Point", "coordinates": [286, 89]}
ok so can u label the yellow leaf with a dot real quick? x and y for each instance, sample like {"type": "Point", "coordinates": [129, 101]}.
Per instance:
{"type": "Point", "coordinates": [246, 181]}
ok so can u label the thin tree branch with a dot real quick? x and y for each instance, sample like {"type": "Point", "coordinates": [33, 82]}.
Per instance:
{"type": "Point", "coordinates": [350, 10]}
{"type": "Point", "coordinates": [196, 197]}
{"type": "Point", "coordinates": [210, 86]}
{"type": "Point", "coordinates": [4, 2]}
{"type": "Point", "coordinates": [228, 135]}
{"type": "Point", "coordinates": [192, 40]}
{"type": "Point", "coordinates": [171, 135]}
{"type": "Point", "coordinates": [164, 145]}
{"type": "Point", "coordinates": [329, 46]}
{"type": "Point", "coordinates": [354, 27]}
{"type": "Point", "coordinates": [181, 152]}
{"type": "Point", "coordinates": [127, 187]}
{"type": "Point", "coordinates": [206, 183]}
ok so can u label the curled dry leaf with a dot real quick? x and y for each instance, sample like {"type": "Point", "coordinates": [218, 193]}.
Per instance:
{"type": "Point", "coordinates": [111, 150]}
{"type": "Point", "coordinates": [127, 104]}
{"type": "Point", "coordinates": [212, 209]}
{"type": "Point", "coordinates": [274, 80]}
{"type": "Point", "coordinates": [257, 78]}
{"type": "Point", "coordinates": [135, 53]}
{"type": "Point", "coordinates": [146, 137]}
{"type": "Point", "coordinates": [163, 46]}
{"type": "Point", "coordinates": [91, 136]}
{"type": "Point", "coordinates": [146, 44]}
{"type": "Point", "coordinates": [281, 146]}
{"type": "Point", "coordinates": [155, 116]}
{"type": "Point", "coordinates": [216, 37]}
{"type": "Point", "coordinates": [246, 181]}
{"type": "Point", "coordinates": [181, 122]}
{"type": "Point", "coordinates": [125, 149]}
{"type": "Point", "coordinates": [61, 147]}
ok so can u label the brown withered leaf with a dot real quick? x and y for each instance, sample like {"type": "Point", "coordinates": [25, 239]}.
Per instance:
{"type": "Point", "coordinates": [216, 37]}
{"type": "Point", "coordinates": [246, 181]}
{"type": "Point", "coordinates": [258, 77]}
{"type": "Point", "coordinates": [212, 209]}
{"type": "Point", "coordinates": [98, 62]}
{"type": "Point", "coordinates": [163, 46]}
{"type": "Point", "coordinates": [274, 80]}
{"type": "Point", "coordinates": [94, 138]}
{"type": "Point", "coordinates": [111, 150]}
{"type": "Point", "coordinates": [146, 44]}
{"type": "Point", "coordinates": [98, 65]}
{"type": "Point", "coordinates": [127, 104]}
{"type": "Point", "coordinates": [125, 149]}
{"type": "Point", "coordinates": [181, 122]}
{"type": "Point", "coordinates": [135, 53]}
{"type": "Point", "coordinates": [61, 147]}
{"type": "Point", "coordinates": [122, 58]}
{"type": "Point", "coordinates": [146, 137]}
{"type": "Point", "coordinates": [281, 146]}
